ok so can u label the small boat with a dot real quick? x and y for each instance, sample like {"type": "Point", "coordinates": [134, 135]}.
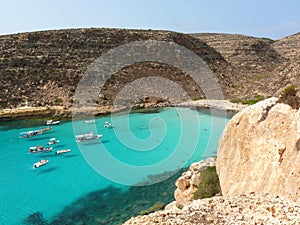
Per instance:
{"type": "Point", "coordinates": [89, 121]}
{"type": "Point", "coordinates": [88, 137]}
{"type": "Point", "coordinates": [53, 141]}
{"type": "Point", "coordinates": [52, 122]}
{"type": "Point", "coordinates": [62, 151]}
{"type": "Point", "coordinates": [107, 125]}
{"type": "Point", "coordinates": [31, 133]}
{"type": "Point", "coordinates": [40, 163]}
{"type": "Point", "coordinates": [46, 129]}
{"type": "Point", "coordinates": [40, 149]}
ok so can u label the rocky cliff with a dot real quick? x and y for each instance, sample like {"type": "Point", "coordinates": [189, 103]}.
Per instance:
{"type": "Point", "coordinates": [43, 68]}
{"type": "Point", "coordinates": [260, 151]}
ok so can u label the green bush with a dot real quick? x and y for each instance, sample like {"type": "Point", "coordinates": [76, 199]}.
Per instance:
{"type": "Point", "coordinates": [195, 98]}
{"type": "Point", "coordinates": [251, 101]}
{"type": "Point", "coordinates": [235, 100]}
{"type": "Point", "coordinates": [209, 184]}
{"type": "Point", "coordinates": [59, 100]}
{"type": "Point", "coordinates": [289, 96]}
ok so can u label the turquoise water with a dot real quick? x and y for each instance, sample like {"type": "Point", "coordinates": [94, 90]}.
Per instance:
{"type": "Point", "coordinates": [90, 183]}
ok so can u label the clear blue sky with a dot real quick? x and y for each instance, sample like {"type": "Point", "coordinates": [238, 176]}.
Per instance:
{"type": "Point", "coordinates": [260, 18]}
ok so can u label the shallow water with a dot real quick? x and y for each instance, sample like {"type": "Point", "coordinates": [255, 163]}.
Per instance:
{"type": "Point", "coordinates": [92, 182]}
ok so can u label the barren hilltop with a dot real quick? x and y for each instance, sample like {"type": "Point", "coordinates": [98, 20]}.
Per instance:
{"type": "Point", "coordinates": [44, 68]}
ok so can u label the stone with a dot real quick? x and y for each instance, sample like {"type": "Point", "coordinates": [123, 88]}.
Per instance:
{"type": "Point", "coordinates": [188, 182]}
{"type": "Point", "coordinates": [259, 151]}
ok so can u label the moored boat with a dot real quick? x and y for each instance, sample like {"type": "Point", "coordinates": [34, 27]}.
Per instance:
{"type": "Point", "coordinates": [88, 137]}
{"type": "Point", "coordinates": [89, 121]}
{"type": "Point", "coordinates": [107, 125]}
{"type": "Point", "coordinates": [40, 163]}
{"type": "Point", "coordinates": [53, 141]}
{"type": "Point", "coordinates": [52, 122]}
{"type": "Point", "coordinates": [46, 129]}
{"type": "Point", "coordinates": [62, 151]}
{"type": "Point", "coordinates": [40, 149]}
{"type": "Point", "coordinates": [30, 133]}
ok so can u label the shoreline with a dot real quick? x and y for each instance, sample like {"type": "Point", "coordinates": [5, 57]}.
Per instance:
{"type": "Point", "coordinates": [62, 112]}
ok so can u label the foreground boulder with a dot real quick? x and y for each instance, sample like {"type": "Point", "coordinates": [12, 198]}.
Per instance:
{"type": "Point", "coordinates": [188, 182]}
{"type": "Point", "coordinates": [260, 151]}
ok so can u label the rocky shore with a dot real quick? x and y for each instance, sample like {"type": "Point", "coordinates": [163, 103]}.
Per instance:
{"type": "Point", "coordinates": [61, 111]}
{"type": "Point", "coordinates": [216, 104]}
{"type": "Point", "coordinates": [244, 209]}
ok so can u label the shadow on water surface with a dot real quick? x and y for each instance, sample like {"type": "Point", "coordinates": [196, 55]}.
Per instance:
{"type": "Point", "coordinates": [37, 138]}
{"type": "Point", "coordinates": [111, 205]}
{"type": "Point", "coordinates": [47, 155]}
{"type": "Point", "coordinates": [43, 170]}
{"type": "Point", "coordinates": [91, 143]}
{"type": "Point", "coordinates": [58, 146]}
{"type": "Point", "coordinates": [70, 155]}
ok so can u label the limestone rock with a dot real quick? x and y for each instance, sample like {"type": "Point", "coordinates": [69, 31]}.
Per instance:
{"type": "Point", "coordinates": [188, 182]}
{"type": "Point", "coordinates": [260, 151]}
{"type": "Point", "coordinates": [243, 209]}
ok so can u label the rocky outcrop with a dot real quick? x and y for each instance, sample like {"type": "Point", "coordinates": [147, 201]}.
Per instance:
{"type": "Point", "coordinates": [188, 182]}
{"type": "Point", "coordinates": [260, 151]}
{"type": "Point", "coordinates": [244, 209]}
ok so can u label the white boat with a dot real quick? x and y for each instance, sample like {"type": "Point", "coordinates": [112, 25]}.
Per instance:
{"type": "Point", "coordinates": [39, 149]}
{"type": "Point", "coordinates": [107, 125]}
{"type": "Point", "coordinates": [52, 122]}
{"type": "Point", "coordinates": [40, 163]}
{"type": "Point", "coordinates": [88, 137]}
{"type": "Point", "coordinates": [53, 141]}
{"type": "Point", "coordinates": [89, 121]}
{"type": "Point", "coordinates": [62, 151]}
{"type": "Point", "coordinates": [31, 133]}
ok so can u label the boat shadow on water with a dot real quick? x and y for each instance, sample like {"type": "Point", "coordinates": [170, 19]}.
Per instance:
{"type": "Point", "coordinates": [47, 155]}
{"type": "Point", "coordinates": [38, 138]}
{"type": "Point", "coordinates": [70, 156]}
{"type": "Point", "coordinates": [47, 170]}
{"type": "Point", "coordinates": [96, 142]}
{"type": "Point", "coordinates": [59, 146]}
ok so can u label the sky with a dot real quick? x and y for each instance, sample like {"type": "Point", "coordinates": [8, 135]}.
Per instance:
{"type": "Point", "coordinates": [260, 18]}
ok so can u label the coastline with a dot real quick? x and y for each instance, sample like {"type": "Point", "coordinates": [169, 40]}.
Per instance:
{"type": "Point", "coordinates": [63, 112]}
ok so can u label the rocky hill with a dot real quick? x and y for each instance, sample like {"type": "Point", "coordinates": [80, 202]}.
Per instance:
{"type": "Point", "coordinates": [261, 66]}
{"type": "Point", "coordinates": [44, 68]}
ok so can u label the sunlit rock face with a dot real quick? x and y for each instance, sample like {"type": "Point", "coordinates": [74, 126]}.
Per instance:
{"type": "Point", "coordinates": [260, 151]}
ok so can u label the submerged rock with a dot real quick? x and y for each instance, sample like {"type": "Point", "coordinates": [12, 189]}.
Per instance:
{"type": "Point", "coordinates": [36, 219]}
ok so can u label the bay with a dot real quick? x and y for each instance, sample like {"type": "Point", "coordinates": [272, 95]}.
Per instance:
{"type": "Point", "coordinates": [96, 182]}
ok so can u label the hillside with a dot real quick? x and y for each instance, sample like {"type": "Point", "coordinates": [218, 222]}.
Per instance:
{"type": "Point", "coordinates": [261, 66]}
{"type": "Point", "coordinates": [44, 68]}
